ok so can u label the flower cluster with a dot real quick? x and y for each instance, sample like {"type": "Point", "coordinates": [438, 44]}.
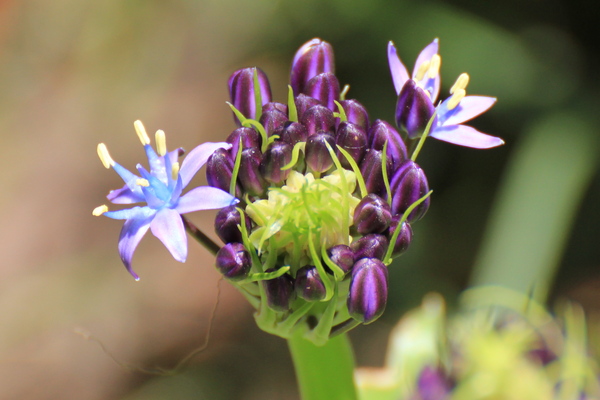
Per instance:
{"type": "Point", "coordinates": [315, 198]}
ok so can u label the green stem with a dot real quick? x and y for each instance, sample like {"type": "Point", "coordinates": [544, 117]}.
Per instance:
{"type": "Point", "coordinates": [324, 372]}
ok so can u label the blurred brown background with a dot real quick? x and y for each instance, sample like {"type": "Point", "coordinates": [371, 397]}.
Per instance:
{"type": "Point", "coordinates": [74, 73]}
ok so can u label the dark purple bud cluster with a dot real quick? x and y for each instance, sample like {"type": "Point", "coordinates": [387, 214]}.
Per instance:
{"type": "Point", "coordinates": [313, 135]}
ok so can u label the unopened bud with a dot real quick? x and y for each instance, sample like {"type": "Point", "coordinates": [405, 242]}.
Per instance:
{"type": "Point", "coordinates": [292, 133]}
{"type": "Point", "coordinates": [241, 91]}
{"type": "Point", "coordinates": [280, 291]}
{"type": "Point", "coordinates": [342, 256]}
{"type": "Point", "coordinates": [309, 285]}
{"type": "Point", "coordinates": [275, 106]}
{"type": "Point", "coordinates": [372, 173]}
{"type": "Point", "coordinates": [353, 139]}
{"type": "Point", "coordinates": [317, 154]}
{"type": "Point", "coordinates": [356, 113]}
{"type": "Point", "coordinates": [408, 185]}
{"type": "Point", "coordinates": [414, 109]}
{"type": "Point", "coordinates": [250, 138]}
{"type": "Point", "coordinates": [368, 292]}
{"type": "Point", "coordinates": [273, 120]}
{"type": "Point", "coordinates": [372, 215]}
{"type": "Point", "coordinates": [318, 119]}
{"type": "Point", "coordinates": [219, 170]}
{"type": "Point", "coordinates": [249, 175]}
{"type": "Point", "coordinates": [233, 261]}
{"type": "Point", "coordinates": [277, 156]}
{"type": "Point", "coordinates": [313, 58]}
{"type": "Point", "coordinates": [325, 88]}
{"type": "Point", "coordinates": [303, 103]}
{"type": "Point", "coordinates": [370, 246]}
{"type": "Point", "coordinates": [382, 132]}
{"type": "Point", "coordinates": [404, 237]}
{"type": "Point", "coordinates": [226, 224]}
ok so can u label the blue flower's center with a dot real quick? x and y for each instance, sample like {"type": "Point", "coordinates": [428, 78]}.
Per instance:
{"type": "Point", "coordinates": [426, 74]}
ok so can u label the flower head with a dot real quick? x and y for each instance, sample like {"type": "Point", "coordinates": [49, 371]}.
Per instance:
{"type": "Point", "coordinates": [160, 188]}
{"type": "Point", "coordinates": [417, 98]}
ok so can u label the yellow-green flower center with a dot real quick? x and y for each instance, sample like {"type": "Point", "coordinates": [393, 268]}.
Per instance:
{"type": "Point", "coordinates": [306, 208]}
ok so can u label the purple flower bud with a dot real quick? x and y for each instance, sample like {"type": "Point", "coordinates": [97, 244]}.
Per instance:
{"type": "Point", "coordinates": [382, 132]}
{"type": "Point", "coordinates": [273, 120]}
{"type": "Point", "coordinates": [342, 256]}
{"type": "Point", "coordinates": [292, 133]}
{"type": "Point", "coordinates": [404, 237]}
{"type": "Point", "coordinates": [250, 138]}
{"type": "Point", "coordinates": [280, 291]}
{"type": "Point", "coordinates": [433, 385]}
{"type": "Point", "coordinates": [370, 246]}
{"type": "Point", "coordinates": [277, 155]}
{"type": "Point", "coordinates": [325, 88]}
{"type": "Point", "coordinates": [309, 285]}
{"type": "Point", "coordinates": [241, 91]}
{"type": "Point", "coordinates": [408, 185]}
{"type": "Point", "coordinates": [275, 106]}
{"type": "Point", "coordinates": [249, 175]}
{"type": "Point", "coordinates": [316, 153]}
{"type": "Point", "coordinates": [353, 139]}
{"type": "Point", "coordinates": [368, 292]}
{"type": "Point", "coordinates": [318, 119]}
{"type": "Point", "coordinates": [414, 109]}
{"type": "Point", "coordinates": [312, 59]}
{"type": "Point", "coordinates": [303, 103]}
{"type": "Point", "coordinates": [219, 170]}
{"type": "Point", "coordinates": [370, 169]}
{"type": "Point", "coordinates": [372, 215]}
{"type": "Point", "coordinates": [226, 224]}
{"type": "Point", "coordinates": [233, 261]}
{"type": "Point", "coordinates": [355, 113]}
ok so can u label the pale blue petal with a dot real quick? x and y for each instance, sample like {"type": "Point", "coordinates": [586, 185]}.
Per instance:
{"type": "Point", "coordinates": [197, 158]}
{"type": "Point", "coordinates": [167, 226]}
{"type": "Point", "coordinates": [425, 55]}
{"type": "Point", "coordinates": [157, 165]}
{"type": "Point", "coordinates": [470, 107]}
{"type": "Point", "coordinates": [128, 177]}
{"type": "Point", "coordinates": [464, 135]}
{"type": "Point", "coordinates": [135, 212]}
{"type": "Point", "coordinates": [398, 70]}
{"type": "Point", "coordinates": [204, 198]}
{"type": "Point", "coordinates": [125, 196]}
{"type": "Point", "coordinates": [132, 232]}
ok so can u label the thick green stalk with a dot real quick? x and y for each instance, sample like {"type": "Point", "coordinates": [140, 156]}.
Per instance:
{"type": "Point", "coordinates": [324, 372]}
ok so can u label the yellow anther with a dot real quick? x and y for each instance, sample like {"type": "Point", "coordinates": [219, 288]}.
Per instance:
{"type": "Point", "coordinates": [434, 66]}
{"type": "Point", "coordinates": [142, 182]}
{"type": "Point", "coordinates": [105, 157]}
{"type": "Point", "coordinates": [161, 142]}
{"type": "Point", "coordinates": [422, 70]}
{"type": "Point", "coordinates": [175, 171]}
{"type": "Point", "coordinates": [98, 211]}
{"type": "Point", "coordinates": [457, 96]}
{"type": "Point", "coordinates": [461, 82]}
{"type": "Point", "coordinates": [141, 132]}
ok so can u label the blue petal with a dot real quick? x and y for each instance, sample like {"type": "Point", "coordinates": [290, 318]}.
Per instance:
{"type": "Point", "coordinates": [157, 189]}
{"type": "Point", "coordinates": [128, 177]}
{"type": "Point", "coordinates": [468, 108]}
{"type": "Point", "coordinates": [125, 196]}
{"type": "Point", "coordinates": [131, 234]}
{"type": "Point", "coordinates": [167, 226]}
{"type": "Point", "coordinates": [398, 70]}
{"type": "Point", "coordinates": [204, 198]}
{"type": "Point", "coordinates": [157, 164]}
{"type": "Point", "coordinates": [135, 212]}
{"type": "Point", "coordinates": [467, 136]}
{"type": "Point", "coordinates": [433, 84]}
{"type": "Point", "coordinates": [197, 158]}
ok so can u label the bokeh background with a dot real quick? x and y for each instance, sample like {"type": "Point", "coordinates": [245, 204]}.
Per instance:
{"type": "Point", "coordinates": [74, 73]}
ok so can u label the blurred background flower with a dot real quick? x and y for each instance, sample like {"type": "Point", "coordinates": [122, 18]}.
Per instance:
{"type": "Point", "coordinates": [75, 73]}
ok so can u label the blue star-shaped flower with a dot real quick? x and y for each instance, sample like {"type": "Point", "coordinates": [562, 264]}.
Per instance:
{"type": "Point", "coordinates": [418, 94]}
{"type": "Point", "coordinates": [160, 188]}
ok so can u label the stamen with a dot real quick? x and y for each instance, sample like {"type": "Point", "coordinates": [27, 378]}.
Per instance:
{"type": "Point", "coordinates": [421, 71]}
{"type": "Point", "coordinates": [456, 98]}
{"type": "Point", "coordinates": [434, 66]}
{"type": "Point", "coordinates": [461, 82]}
{"type": "Point", "coordinates": [142, 182]}
{"type": "Point", "coordinates": [98, 211]}
{"type": "Point", "coordinates": [175, 171]}
{"type": "Point", "coordinates": [161, 142]}
{"type": "Point", "coordinates": [105, 157]}
{"type": "Point", "coordinates": [141, 132]}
